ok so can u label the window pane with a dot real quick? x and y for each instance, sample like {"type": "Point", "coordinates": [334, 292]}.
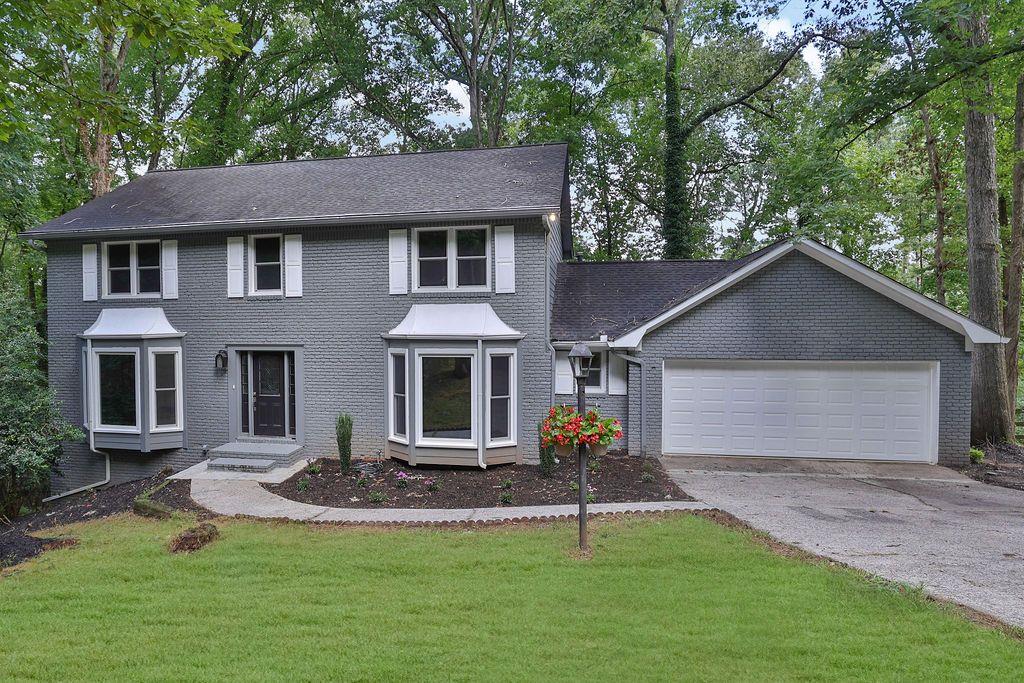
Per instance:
{"type": "Point", "coordinates": [499, 418]}
{"type": "Point", "coordinates": [434, 273]}
{"type": "Point", "coordinates": [472, 271]}
{"type": "Point", "coordinates": [244, 359]}
{"type": "Point", "coordinates": [120, 282]}
{"type": "Point", "coordinates": [148, 254]}
{"type": "Point", "coordinates": [117, 389]}
{"type": "Point", "coordinates": [291, 392]}
{"type": "Point", "coordinates": [594, 378]}
{"type": "Point", "coordinates": [433, 243]}
{"type": "Point", "coordinates": [164, 363]}
{"type": "Point", "coordinates": [471, 242]}
{"type": "Point", "coordinates": [398, 363]}
{"type": "Point", "coordinates": [399, 403]}
{"type": "Point", "coordinates": [270, 370]}
{"type": "Point", "coordinates": [268, 249]}
{"type": "Point", "coordinates": [499, 375]}
{"type": "Point", "coordinates": [447, 397]}
{"type": "Point", "coordinates": [149, 279]}
{"type": "Point", "coordinates": [119, 255]}
{"type": "Point", "coordinates": [268, 277]}
{"type": "Point", "coordinates": [166, 408]}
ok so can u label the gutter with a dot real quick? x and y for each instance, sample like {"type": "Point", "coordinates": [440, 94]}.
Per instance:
{"type": "Point", "coordinates": [643, 395]}
{"type": "Point", "coordinates": [92, 437]}
{"type": "Point", "coordinates": [295, 222]}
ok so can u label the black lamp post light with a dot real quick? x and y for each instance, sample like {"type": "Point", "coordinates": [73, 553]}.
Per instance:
{"type": "Point", "coordinates": [580, 359]}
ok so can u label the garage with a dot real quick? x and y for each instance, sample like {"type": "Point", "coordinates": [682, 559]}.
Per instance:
{"type": "Point", "coordinates": [802, 409]}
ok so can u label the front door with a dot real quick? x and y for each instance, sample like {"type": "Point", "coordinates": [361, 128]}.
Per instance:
{"type": "Point", "coordinates": [268, 394]}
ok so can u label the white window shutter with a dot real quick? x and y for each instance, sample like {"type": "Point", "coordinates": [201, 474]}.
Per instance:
{"type": "Point", "coordinates": [398, 261]}
{"type": "Point", "coordinates": [617, 373]}
{"type": "Point", "coordinates": [504, 259]}
{"type": "Point", "coordinates": [89, 272]}
{"type": "Point", "coordinates": [293, 265]}
{"type": "Point", "coordinates": [169, 268]}
{"type": "Point", "coordinates": [236, 247]}
{"type": "Point", "coordinates": [563, 373]}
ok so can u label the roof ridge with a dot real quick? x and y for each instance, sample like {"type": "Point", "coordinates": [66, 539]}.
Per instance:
{"type": "Point", "coordinates": [661, 260]}
{"type": "Point", "coordinates": [357, 156]}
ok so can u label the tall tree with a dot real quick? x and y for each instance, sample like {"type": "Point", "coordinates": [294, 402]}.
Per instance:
{"type": "Point", "coordinates": [1015, 259]}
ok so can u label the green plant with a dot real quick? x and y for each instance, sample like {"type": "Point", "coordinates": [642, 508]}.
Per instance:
{"type": "Point", "coordinates": [561, 427]}
{"type": "Point", "coordinates": [591, 498]}
{"type": "Point", "coordinates": [977, 456]}
{"type": "Point", "coordinates": [647, 478]}
{"type": "Point", "coordinates": [378, 497]}
{"type": "Point", "coordinates": [574, 486]}
{"type": "Point", "coordinates": [314, 468]}
{"type": "Point", "coordinates": [506, 484]}
{"type": "Point", "coordinates": [595, 429]}
{"type": "Point", "coordinates": [343, 432]}
{"type": "Point", "coordinates": [548, 461]}
{"type": "Point", "coordinates": [402, 480]}
{"type": "Point", "coordinates": [32, 428]}
{"type": "Point", "coordinates": [362, 482]}
{"type": "Point", "coordinates": [593, 464]}
{"type": "Point", "coordinates": [303, 484]}
{"type": "Point", "coordinates": [505, 498]}
{"type": "Point", "coordinates": [433, 484]}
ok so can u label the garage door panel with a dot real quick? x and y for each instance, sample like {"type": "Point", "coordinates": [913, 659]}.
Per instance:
{"type": "Point", "coordinates": [801, 409]}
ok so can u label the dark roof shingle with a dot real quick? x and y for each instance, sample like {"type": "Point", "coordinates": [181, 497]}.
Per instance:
{"type": "Point", "coordinates": [475, 182]}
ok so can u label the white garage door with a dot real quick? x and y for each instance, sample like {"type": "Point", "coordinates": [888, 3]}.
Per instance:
{"type": "Point", "coordinates": [786, 409]}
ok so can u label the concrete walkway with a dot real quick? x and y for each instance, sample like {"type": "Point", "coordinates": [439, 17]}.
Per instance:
{"type": "Point", "coordinates": [917, 524]}
{"type": "Point", "coordinates": [246, 497]}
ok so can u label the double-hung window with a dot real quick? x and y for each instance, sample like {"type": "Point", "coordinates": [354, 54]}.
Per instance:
{"type": "Point", "coordinates": [596, 378]}
{"type": "Point", "coordinates": [265, 264]}
{"type": "Point", "coordinates": [131, 269]}
{"type": "Point", "coordinates": [452, 258]}
{"type": "Point", "coordinates": [116, 391]}
{"type": "Point", "coordinates": [501, 374]}
{"type": "Point", "coordinates": [165, 389]}
{"type": "Point", "coordinates": [399, 397]}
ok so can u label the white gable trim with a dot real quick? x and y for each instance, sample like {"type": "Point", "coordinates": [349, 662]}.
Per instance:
{"type": "Point", "coordinates": [972, 331]}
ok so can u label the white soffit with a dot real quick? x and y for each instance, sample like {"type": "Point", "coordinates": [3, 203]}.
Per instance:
{"type": "Point", "coordinates": [452, 321]}
{"type": "Point", "coordinates": [131, 323]}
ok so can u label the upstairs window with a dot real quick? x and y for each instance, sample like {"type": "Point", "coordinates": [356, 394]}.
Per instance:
{"type": "Point", "coordinates": [452, 258]}
{"type": "Point", "coordinates": [131, 269]}
{"type": "Point", "coordinates": [265, 264]}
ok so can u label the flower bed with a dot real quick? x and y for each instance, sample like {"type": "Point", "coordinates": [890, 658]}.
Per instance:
{"type": "Point", "coordinates": [612, 479]}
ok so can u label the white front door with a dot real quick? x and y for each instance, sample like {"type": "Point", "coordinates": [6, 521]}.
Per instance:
{"type": "Point", "coordinates": [797, 409]}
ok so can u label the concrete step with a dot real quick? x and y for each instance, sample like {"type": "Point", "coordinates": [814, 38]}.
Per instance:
{"type": "Point", "coordinates": [242, 464]}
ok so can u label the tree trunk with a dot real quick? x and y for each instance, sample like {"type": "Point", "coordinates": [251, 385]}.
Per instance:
{"type": "Point", "coordinates": [939, 188]}
{"type": "Point", "coordinates": [675, 219]}
{"type": "Point", "coordinates": [990, 415]}
{"type": "Point", "coordinates": [1015, 261]}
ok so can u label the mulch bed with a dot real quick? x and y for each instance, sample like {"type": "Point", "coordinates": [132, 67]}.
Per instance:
{"type": "Point", "coordinates": [617, 479]}
{"type": "Point", "coordinates": [1003, 466]}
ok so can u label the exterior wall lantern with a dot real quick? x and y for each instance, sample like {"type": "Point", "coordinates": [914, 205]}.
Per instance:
{"type": "Point", "coordinates": [220, 361]}
{"type": "Point", "coordinates": [580, 359]}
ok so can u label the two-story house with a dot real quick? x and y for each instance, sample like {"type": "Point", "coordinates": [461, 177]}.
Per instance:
{"type": "Point", "coordinates": [234, 312]}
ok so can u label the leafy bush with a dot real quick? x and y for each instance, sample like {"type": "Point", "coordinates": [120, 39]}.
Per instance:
{"type": "Point", "coordinates": [343, 430]}
{"type": "Point", "coordinates": [402, 480]}
{"type": "Point", "coordinates": [506, 483]}
{"type": "Point", "coordinates": [548, 462]}
{"type": "Point", "coordinates": [32, 429]}
{"type": "Point", "coordinates": [505, 498]}
{"type": "Point", "coordinates": [977, 456]}
{"type": "Point", "coordinates": [303, 484]}
{"type": "Point", "coordinates": [433, 484]}
{"type": "Point", "coordinates": [314, 468]}
{"type": "Point", "coordinates": [378, 497]}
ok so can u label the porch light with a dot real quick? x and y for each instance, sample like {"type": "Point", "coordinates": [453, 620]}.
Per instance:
{"type": "Point", "coordinates": [220, 361]}
{"type": "Point", "coordinates": [580, 359]}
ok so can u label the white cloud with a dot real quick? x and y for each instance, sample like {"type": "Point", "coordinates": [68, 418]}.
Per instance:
{"type": "Point", "coordinates": [461, 95]}
{"type": "Point", "coordinates": [782, 26]}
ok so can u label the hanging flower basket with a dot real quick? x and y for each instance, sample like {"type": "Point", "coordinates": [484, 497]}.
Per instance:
{"type": "Point", "coordinates": [564, 429]}
{"type": "Point", "coordinates": [563, 450]}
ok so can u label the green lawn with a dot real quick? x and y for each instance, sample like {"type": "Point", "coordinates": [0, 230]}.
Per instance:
{"type": "Point", "coordinates": [675, 598]}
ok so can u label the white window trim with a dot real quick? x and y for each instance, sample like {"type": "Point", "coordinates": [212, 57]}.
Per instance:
{"type": "Point", "coordinates": [451, 254]}
{"type": "Point", "coordinates": [95, 390]}
{"type": "Point", "coordinates": [392, 434]}
{"type": "Point", "coordinates": [474, 379]}
{"type": "Point", "coordinates": [602, 388]}
{"type": "Point", "coordinates": [252, 265]}
{"type": "Point", "coordinates": [178, 389]}
{"type": "Point", "coordinates": [513, 369]}
{"type": "Point", "coordinates": [133, 269]}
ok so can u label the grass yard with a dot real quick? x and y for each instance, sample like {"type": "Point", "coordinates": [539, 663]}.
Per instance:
{"type": "Point", "coordinates": [673, 598]}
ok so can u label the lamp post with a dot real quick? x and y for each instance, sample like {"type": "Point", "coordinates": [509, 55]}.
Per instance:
{"type": "Point", "coordinates": [580, 359]}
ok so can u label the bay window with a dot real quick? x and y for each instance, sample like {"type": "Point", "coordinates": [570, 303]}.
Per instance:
{"type": "Point", "coordinates": [116, 395]}
{"type": "Point", "coordinates": [399, 397]}
{"type": "Point", "coordinates": [446, 407]}
{"type": "Point", "coordinates": [452, 258]}
{"type": "Point", "coordinates": [501, 405]}
{"type": "Point", "coordinates": [165, 389]}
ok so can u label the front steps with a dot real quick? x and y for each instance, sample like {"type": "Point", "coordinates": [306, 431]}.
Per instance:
{"type": "Point", "coordinates": [253, 456]}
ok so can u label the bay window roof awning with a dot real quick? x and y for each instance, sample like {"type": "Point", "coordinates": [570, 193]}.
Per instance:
{"type": "Point", "coordinates": [452, 321]}
{"type": "Point", "coordinates": [131, 323]}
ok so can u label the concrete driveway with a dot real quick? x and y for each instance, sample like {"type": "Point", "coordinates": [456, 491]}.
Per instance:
{"type": "Point", "coordinates": [917, 524]}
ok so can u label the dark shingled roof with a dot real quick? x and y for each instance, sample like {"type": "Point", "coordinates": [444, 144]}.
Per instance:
{"type": "Point", "coordinates": [473, 183]}
{"type": "Point", "coordinates": [593, 298]}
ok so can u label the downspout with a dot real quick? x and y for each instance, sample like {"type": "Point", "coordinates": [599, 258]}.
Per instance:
{"type": "Point", "coordinates": [643, 395]}
{"type": "Point", "coordinates": [92, 436]}
{"type": "Point", "coordinates": [480, 403]}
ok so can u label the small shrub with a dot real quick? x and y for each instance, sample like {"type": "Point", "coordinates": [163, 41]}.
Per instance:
{"type": "Point", "coordinates": [402, 480]}
{"type": "Point", "coordinates": [591, 497]}
{"type": "Point", "coordinates": [647, 478]}
{"type": "Point", "coordinates": [303, 484]}
{"type": "Point", "coordinates": [593, 464]}
{"type": "Point", "coordinates": [977, 456]}
{"type": "Point", "coordinates": [433, 484]}
{"type": "Point", "coordinates": [506, 484]}
{"type": "Point", "coordinates": [378, 497]}
{"type": "Point", "coordinates": [548, 461]}
{"type": "Point", "coordinates": [505, 498]}
{"type": "Point", "coordinates": [362, 482]}
{"type": "Point", "coordinates": [194, 538]}
{"type": "Point", "coordinates": [648, 466]}
{"type": "Point", "coordinates": [343, 431]}
{"type": "Point", "coordinates": [314, 468]}
{"type": "Point", "coordinates": [574, 486]}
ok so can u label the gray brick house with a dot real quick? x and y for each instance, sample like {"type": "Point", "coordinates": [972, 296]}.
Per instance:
{"type": "Point", "coordinates": [236, 311]}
